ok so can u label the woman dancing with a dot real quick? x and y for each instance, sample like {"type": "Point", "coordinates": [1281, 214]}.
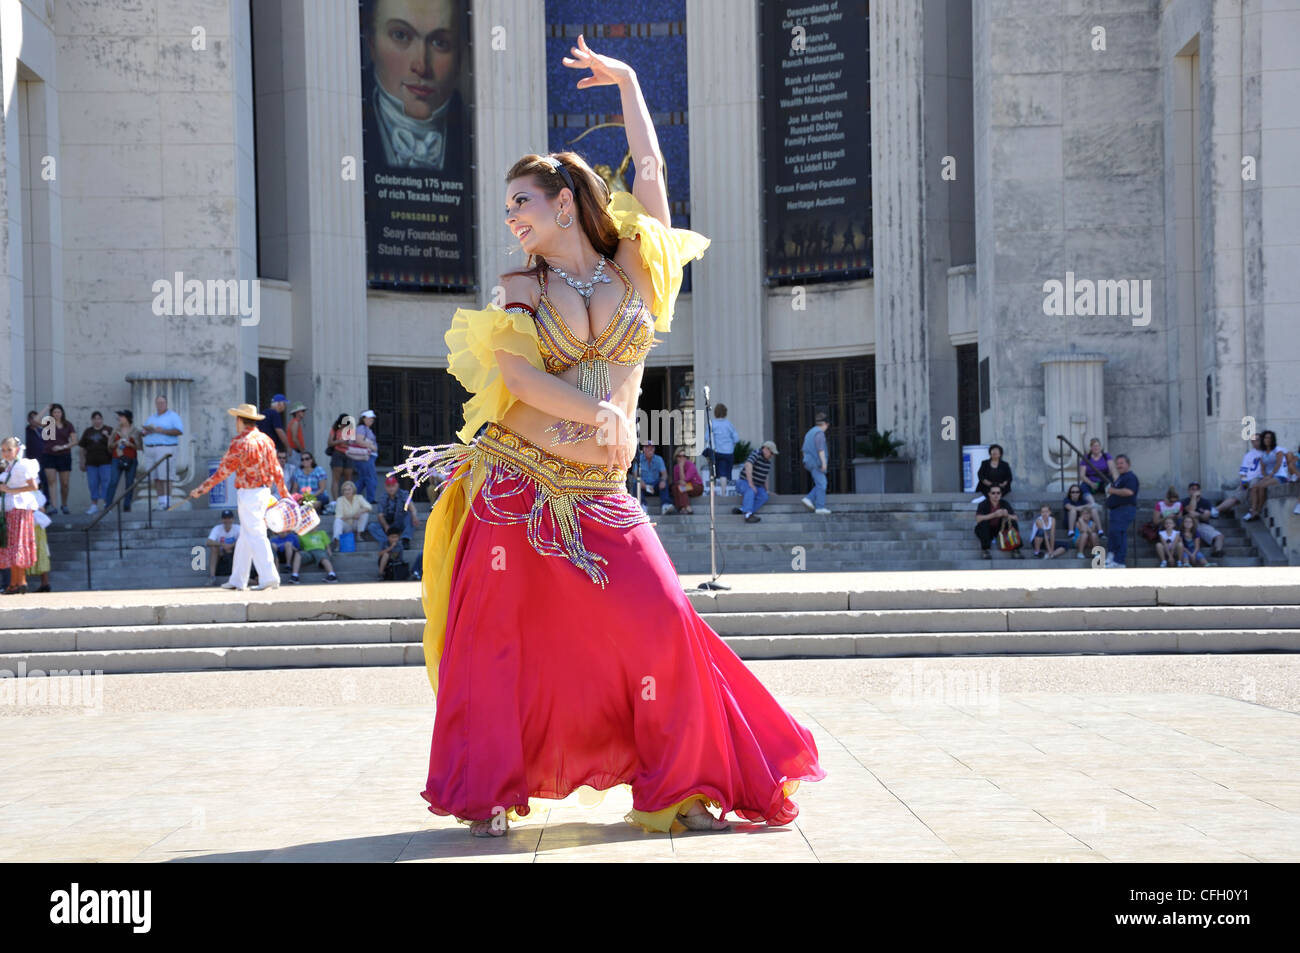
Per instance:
{"type": "Point", "coordinates": [559, 642]}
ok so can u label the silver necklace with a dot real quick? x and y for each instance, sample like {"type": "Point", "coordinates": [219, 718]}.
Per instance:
{"type": "Point", "coordinates": [585, 288]}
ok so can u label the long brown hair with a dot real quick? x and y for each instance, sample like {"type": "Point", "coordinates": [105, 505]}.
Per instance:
{"type": "Point", "coordinates": [590, 195]}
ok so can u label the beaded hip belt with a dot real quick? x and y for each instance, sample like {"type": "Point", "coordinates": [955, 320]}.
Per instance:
{"type": "Point", "coordinates": [565, 490]}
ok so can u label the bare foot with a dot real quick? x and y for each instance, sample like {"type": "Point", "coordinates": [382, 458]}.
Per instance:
{"type": "Point", "coordinates": [490, 827]}
{"type": "Point", "coordinates": [698, 818]}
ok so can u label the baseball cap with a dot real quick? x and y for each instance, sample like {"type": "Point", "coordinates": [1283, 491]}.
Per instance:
{"type": "Point", "coordinates": [771, 446]}
{"type": "Point", "coordinates": [390, 479]}
{"type": "Point", "coordinates": [277, 398]}
{"type": "Point", "coordinates": [225, 513]}
{"type": "Point", "coordinates": [367, 413]}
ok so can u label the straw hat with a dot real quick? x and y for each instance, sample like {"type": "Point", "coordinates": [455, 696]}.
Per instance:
{"type": "Point", "coordinates": [246, 410]}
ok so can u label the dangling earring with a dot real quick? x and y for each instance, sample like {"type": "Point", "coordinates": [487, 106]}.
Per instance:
{"type": "Point", "coordinates": [562, 224]}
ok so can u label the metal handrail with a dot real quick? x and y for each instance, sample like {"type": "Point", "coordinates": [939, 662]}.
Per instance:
{"type": "Point", "coordinates": [117, 505]}
{"type": "Point", "coordinates": [1065, 442]}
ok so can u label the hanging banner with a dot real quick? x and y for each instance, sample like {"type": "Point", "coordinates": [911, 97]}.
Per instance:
{"type": "Point", "coordinates": [416, 84]}
{"type": "Point", "coordinates": [816, 140]}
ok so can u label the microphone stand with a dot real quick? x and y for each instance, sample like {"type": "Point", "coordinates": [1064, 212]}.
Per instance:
{"type": "Point", "coordinates": [712, 582]}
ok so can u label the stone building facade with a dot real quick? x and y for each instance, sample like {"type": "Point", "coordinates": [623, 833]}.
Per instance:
{"type": "Point", "coordinates": [1147, 149]}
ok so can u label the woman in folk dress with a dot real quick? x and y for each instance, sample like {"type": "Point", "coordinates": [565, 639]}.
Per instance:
{"type": "Point", "coordinates": [560, 644]}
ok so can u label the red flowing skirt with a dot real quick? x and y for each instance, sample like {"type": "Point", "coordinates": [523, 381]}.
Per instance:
{"type": "Point", "coordinates": [548, 682]}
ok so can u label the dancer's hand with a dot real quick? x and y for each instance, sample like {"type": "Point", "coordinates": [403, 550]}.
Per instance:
{"type": "Point", "coordinates": [605, 70]}
{"type": "Point", "coordinates": [616, 434]}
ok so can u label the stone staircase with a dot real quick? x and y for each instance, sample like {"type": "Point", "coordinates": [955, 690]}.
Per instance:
{"type": "Point", "coordinates": [864, 533]}
{"type": "Point", "coordinates": [791, 615]}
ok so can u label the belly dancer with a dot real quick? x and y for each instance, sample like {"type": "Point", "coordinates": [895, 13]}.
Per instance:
{"type": "Point", "coordinates": [559, 643]}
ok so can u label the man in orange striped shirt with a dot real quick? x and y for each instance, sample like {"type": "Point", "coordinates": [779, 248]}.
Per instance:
{"type": "Point", "coordinates": [252, 458]}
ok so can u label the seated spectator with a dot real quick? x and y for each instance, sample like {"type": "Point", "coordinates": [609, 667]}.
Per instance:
{"type": "Point", "coordinates": [392, 565]}
{"type": "Point", "coordinates": [755, 483]}
{"type": "Point", "coordinates": [1239, 492]}
{"type": "Point", "coordinates": [686, 482]}
{"type": "Point", "coordinates": [994, 472]}
{"type": "Point", "coordinates": [1043, 534]}
{"type": "Point", "coordinates": [284, 546]}
{"type": "Point", "coordinates": [1169, 544]}
{"type": "Point", "coordinates": [351, 513]}
{"type": "Point", "coordinates": [308, 477]}
{"type": "Point", "coordinates": [1199, 510]}
{"type": "Point", "coordinates": [312, 548]}
{"type": "Point", "coordinates": [221, 546]}
{"type": "Point", "coordinates": [391, 513]}
{"type": "Point", "coordinates": [989, 516]}
{"type": "Point", "coordinates": [1089, 533]}
{"type": "Point", "coordinates": [1171, 505]}
{"type": "Point", "coordinates": [1094, 471]}
{"type": "Point", "coordinates": [1272, 471]}
{"type": "Point", "coordinates": [652, 477]}
{"type": "Point", "coordinates": [1076, 502]}
{"type": "Point", "coordinates": [1191, 543]}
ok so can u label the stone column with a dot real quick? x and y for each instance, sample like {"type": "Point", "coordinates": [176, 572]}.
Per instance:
{"type": "Point", "coordinates": [915, 361]}
{"type": "Point", "coordinates": [325, 212]}
{"type": "Point", "coordinates": [730, 337]}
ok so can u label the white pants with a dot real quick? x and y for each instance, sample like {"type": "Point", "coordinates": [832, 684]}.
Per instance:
{"type": "Point", "coordinates": [353, 524]}
{"type": "Point", "coordinates": [252, 546]}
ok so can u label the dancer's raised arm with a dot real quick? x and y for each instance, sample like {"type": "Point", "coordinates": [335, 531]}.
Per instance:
{"type": "Point", "coordinates": [648, 186]}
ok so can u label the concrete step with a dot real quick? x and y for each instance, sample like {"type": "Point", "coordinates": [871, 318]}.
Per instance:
{"type": "Point", "coordinates": [847, 645]}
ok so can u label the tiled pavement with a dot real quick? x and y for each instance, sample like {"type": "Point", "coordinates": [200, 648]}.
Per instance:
{"type": "Point", "coordinates": [933, 769]}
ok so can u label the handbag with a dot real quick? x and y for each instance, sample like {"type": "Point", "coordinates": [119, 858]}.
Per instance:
{"type": "Point", "coordinates": [357, 452]}
{"type": "Point", "coordinates": [1149, 532]}
{"type": "Point", "coordinates": [1008, 536]}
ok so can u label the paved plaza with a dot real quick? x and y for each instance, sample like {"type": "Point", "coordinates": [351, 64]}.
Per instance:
{"type": "Point", "coordinates": [1063, 759]}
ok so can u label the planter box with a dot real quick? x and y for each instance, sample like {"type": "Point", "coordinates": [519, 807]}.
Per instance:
{"type": "Point", "coordinates": [888, 475]}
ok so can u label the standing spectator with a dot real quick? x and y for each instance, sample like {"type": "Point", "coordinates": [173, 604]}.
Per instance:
{"type": "Point", "coordinates": [652, 473]}
{"type": "Point", "coordinates": [97, 461]}
{"type": "Point", "coordinates": [1044, 531]}
{"type": "Point", "coordinates": [19, 484]}
{"type": "Point", "coordinates": [162, 431]}
{"type": "Point", "coordinates": [1272, 470]}
{"type": "Point", "coordinates": [351, 513]}
{"type": "Point", "coordinates": [127, 443]}
{"type": "Point", "coordinates": [57, 457]}
{"type": "Point", "coordinates": [1239, 492]}
{"type": "Point", "coordinates": [1169, 546]}
{"type": "Point", "coordinates": [309, 477]}
{"type": "Point", "coordinates": [815, 462]}
{"type": "Point", "coordinates": [313, 547]}
{"type": "Point", "coordinates": [1074, 506]}
{"type": "Point", "coordinates": [366, 478]}
{"type": "Point", "coordinates": [995, 472]}
{"type": "Point", "coordinates": [686, 481]}
{"type": "Point", "coordinates": [724, 439]}
{"type": "Point", "coordinates": [755, 483]}
{"type": "Point", "coordinates": [36, 448]}
{"type": "Point", "coordinates": [989, 514]}
{"type": "Point", "coordinates": [391, 513]}
{"type": "Point", "coordinates": [221, 546]}
{"type": "Point", "coordinates": [42, 565]}
{"type": "Point", "coordinates": [1094, 470]}
{"type": "Point", "coordinates": [251, 457]}
{"type": "Point", "coordinates": [272, 423]}
{"type": "Point", "coordinates": [1201, 512]}
{"type": "Point", "coordinates": [1121, 501]}
{"type": "Point", "coordinates": [1087, 528]}
{"type": "Point", "coordinates": [294, 431]}
{"type": "Point", "coordinates": [340, 464]}
{"type": "Point", "coordinates": [1192, 555]}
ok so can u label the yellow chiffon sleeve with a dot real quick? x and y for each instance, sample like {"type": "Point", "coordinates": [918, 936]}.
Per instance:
{"type": "Point", "coordinates": [471, 341]}
{"type": "Point", "coordinates": [664, 251]}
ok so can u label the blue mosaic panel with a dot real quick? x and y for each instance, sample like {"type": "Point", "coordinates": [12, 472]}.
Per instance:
{"type": "Point", "coordinates": [648, 35]}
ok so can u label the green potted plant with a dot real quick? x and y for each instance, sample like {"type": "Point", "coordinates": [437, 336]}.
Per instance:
{"type": "Point", "coordinates": [738, 457]}
{"type": "Point", "coordinates": [877, 467]}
